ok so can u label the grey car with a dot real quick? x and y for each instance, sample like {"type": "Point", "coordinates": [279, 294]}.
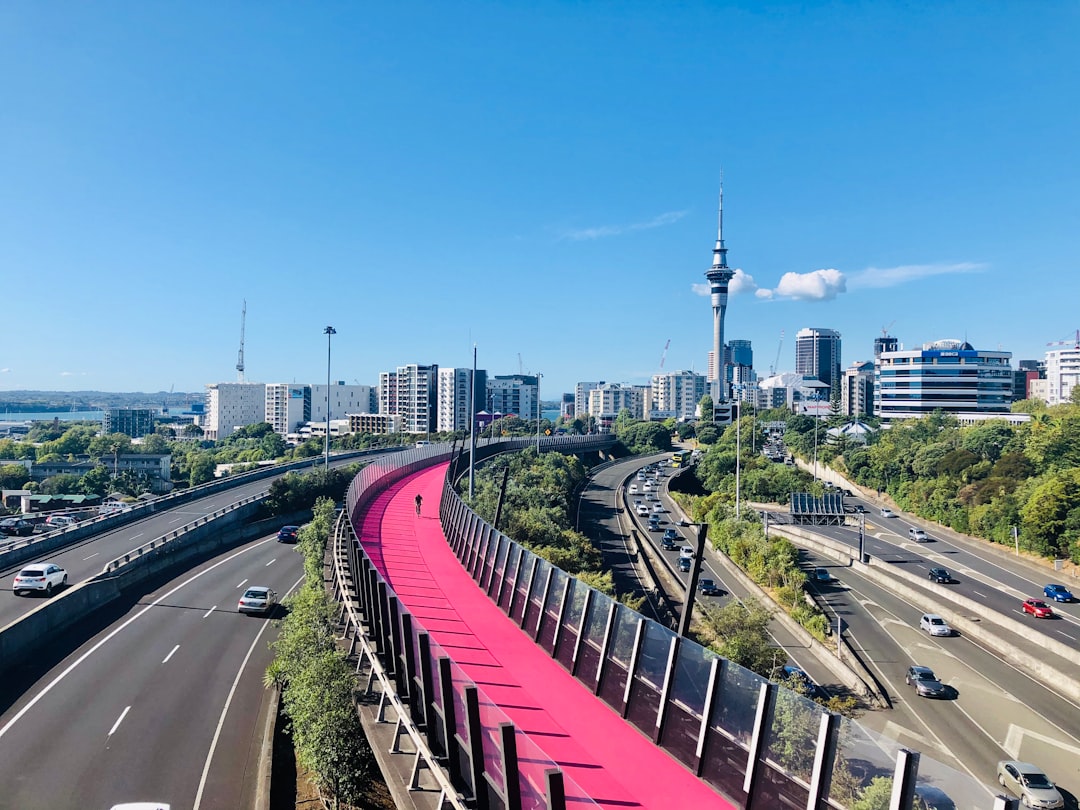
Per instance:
{"type": "Point", "coordinates": [924, 682]}
{"type": "Point", "coordinates": [1029, 783]}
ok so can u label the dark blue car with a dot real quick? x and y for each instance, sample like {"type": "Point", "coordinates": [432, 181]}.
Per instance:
{"type": "Point", "coordinates": [1059, 593]}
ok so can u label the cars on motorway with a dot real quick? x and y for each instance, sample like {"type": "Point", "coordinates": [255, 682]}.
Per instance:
{"type": "Point", "coordinates": [633, 488]}
{"type": "Point", "coordinates": [288, 534]}
{"type": "Point", "coordinates": [670, 534]}
{"type": "Point", "coordinates": [60, 521]}
{"type": "Point", "coordinates": [934, 625]}
{"type": "Point", "coordinates": [918, 535]}
{"type": "Point", "coordinates": [924, 682]}
{"type": "Point", "coordinates": [708, 587]}
{"type": "Point", "coordinates": [642, 509]}
{"type": "Point", "coordinates": [667, 543]}
{"type": "Point", "coordinates": [886, 512]}
{"type": "Point", "coordinates": [44, 576]}
{"type": "Point", "coordinates": [684, 564]}
{"type": "Point", "coordinates": [1038, 608]}
{"type": "Point", "coordinates": [858, 509]}
{"type": "Point", "coordinates": [1059, 593]}
{"type": "Point", "coordinates": [654, 523]}
{"type": "Point", "coordinates": [1029, 783]}
{"type": "Point", "coordinates": [16, 526]}
{"type": "Point", "coordinates": [821, 575]}
{"type": "Point", "coordinates": [257, 599]}
{"type": "Point", "coordinates": [658, 507]}
{"type": "Point", "coordinates": [796, 678]}
{"type": "Point", "coordinates": [686, 552]}
{"type": "Point", "coordinates": [941, 575]}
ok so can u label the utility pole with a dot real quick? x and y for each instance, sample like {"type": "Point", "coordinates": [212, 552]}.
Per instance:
{"type": "Point", "coordinates": [328, 331]}
{"type": "Point", "coordinates": [472, 425]}
{"type": "Point", "coordinates": [691, 589]}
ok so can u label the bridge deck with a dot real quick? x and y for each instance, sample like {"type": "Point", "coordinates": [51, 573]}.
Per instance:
{"type": "Point", "coordinates": [608, 758]}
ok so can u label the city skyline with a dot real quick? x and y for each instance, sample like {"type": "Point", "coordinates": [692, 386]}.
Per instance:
{"type": "Point", "coordinates": [541, 184]}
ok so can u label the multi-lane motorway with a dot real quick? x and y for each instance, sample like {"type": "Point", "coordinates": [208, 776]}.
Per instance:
{"type": "Point", "coordinates": [162, 705]}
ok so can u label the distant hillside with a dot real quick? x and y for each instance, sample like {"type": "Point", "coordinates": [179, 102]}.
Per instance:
{"type": "Point", "coordinates": [59, 401]}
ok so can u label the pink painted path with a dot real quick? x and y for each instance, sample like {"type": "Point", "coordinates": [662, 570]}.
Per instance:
{"type": "Point", "coordinates": [609, 758]}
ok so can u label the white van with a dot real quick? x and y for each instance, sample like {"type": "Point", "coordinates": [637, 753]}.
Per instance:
{"type": "Point", "coordinates": [55, 522]}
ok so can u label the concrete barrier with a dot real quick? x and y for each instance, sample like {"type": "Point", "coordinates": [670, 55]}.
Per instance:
{"type": "Point", "coordinates": [956, 609]}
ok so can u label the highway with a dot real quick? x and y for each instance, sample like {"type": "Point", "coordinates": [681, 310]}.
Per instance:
{"type": "Point", "coordinates": [165, 704]}
{"type": "Point", "coordinates": [87, 557]}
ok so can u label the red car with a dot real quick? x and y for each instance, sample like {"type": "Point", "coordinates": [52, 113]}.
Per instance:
{"type": "Point", "coordinates": [1038, 608]}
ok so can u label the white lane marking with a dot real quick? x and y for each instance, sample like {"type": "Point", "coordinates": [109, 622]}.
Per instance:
{"type": "Point", "coordinates": [211, 610]}
{"type": "Point", "coordinates": [170, 655]}
{"type": "Point", "coordinates": [177, 520]}
{"type": "Point", "coordinates": [71, 667]}
{"type": "Point", "coordinates": [1067, 635]}
{"type": "Point", "coordinates": [241, 585]}
{"type": "Point", "coordinates": [135, 536]}
{"type": "Point", "coordinates": [977, 593]}
{"type": "Point", "coordinates": [91, 556]}
{"type": "Point", "coordinates": [119, 720]}
{"type": "Point", "coordinates": [225, 708]}
{"type": "Point", "coordinates": [270, 563]}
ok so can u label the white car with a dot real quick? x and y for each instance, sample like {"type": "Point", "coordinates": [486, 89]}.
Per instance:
{"type": "Point", "coordinates": [643, 510]}
{"type": "Point", "coordinates": [633, 487]}
{"type": "Point", "coordinates": [1029, 783]}
{"type": "Point", "coordinates": [55, 522]}
{"type": "Point", "coordinates": [918, 535]}
{"type": "Point", "coordinates": [44, 576]}
{"type": "Point", "coordinates": [257, 599]}
{"type": "Point", "coordinates": [934, 625]}
{"type": "Point", "coordinates": [686, 553]}
{"type": "Point", "coordinates": [886, 512]}
{"type": "Point", "coordinates": [658, 507]}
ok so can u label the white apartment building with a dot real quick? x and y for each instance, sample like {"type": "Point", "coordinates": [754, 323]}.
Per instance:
{"type": "Point", "coordinates": [581, 396]}
{"type": "Point", "coordinates": [230, 406]}
{"type": "Point", "coordinates": [453, 402]}
{"type": "Point", "coordinates": [513, 394]}
{"type": "Point", "coordinates": [288, 406]}
{"type": "Point", "coordinates": [857, 389]}
{"type": "Point", "coordinates": [344, 399]}
{"type": "Point", "coordinates": [608, 400]}
{"type": "Point", "coordinates": [1062, 374]}
{"type": "Point", "coordinates": [676, 395]}
{"type": "Point", "coordinates": [411, 393]}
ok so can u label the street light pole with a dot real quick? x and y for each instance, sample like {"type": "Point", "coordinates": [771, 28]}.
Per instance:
{"type": "Point", "coordinates": [328, 331]}
{"type": "Point", "coordinates": [738, 454]}
{"type": "Point", "coordinates": [472, 425]}
{"type": "Point", "coordinates": [691, 589]}
{"type": "Point", "coordinates": [538, 376]}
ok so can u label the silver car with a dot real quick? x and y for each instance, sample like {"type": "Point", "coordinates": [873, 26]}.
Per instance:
{"type": "Point", "coordinates": [257, 599]}
{"type": "Point", "coordinates": [1029, 783]}
{"type": "Point", "coordinates": [934, 625]}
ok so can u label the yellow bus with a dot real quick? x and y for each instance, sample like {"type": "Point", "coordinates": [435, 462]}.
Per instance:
{"type": "Point", "coordinates": [680, 458]}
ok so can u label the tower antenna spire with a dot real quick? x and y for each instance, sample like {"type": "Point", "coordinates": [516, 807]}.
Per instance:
{"type": "Point", "coordinates": [719, 275]}
{"type": "Point", "coordinates": [240, 355]}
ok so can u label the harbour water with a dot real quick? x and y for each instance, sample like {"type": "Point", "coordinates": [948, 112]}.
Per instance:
{"type": "Point", "coordinates": [48, 416]}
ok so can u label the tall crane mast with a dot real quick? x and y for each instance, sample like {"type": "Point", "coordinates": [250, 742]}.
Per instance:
{"type": "Point", "coordinates": [773, 367]}
{"type": "Point", "coordinates": [663, 355]}
{"type": "Point", "coordinates": [240, 355]}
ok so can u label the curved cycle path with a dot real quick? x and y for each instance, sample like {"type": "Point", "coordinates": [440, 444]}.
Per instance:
{"type": "Point", "coordinates": [613, 763]}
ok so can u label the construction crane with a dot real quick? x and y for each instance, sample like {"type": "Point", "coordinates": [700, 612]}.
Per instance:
{"type": "Point", "coordinates": [240, 356]}
{"type": "Point", "coordinates": [773, 367]}
{"type": "Point", "coordinates": [885, 329]}
{"type": "Point", "coordinates": [663, 355]}
{"type": "Point", "coordinates": [1066, 342]}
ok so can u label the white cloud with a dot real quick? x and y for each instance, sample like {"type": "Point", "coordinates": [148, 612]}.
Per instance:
{"type": "Point", "coordinates": [72, 373]}
{"type": "Point", "coordinates": [817, 285]}
{"type": "Point", "coordinates": [5, 370]}
{"type": "Point", "coordinates": [878, 277]}
{"type": "Point", "coordinates": [601, 231]}
{"type": "Point", "coordinates": [740, 283]}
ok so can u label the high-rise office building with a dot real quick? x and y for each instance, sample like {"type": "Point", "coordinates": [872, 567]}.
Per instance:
{"type": "Point", "coordinates": [676, 394]}
{"type": "Point", "coordinates": [454, 398]}
{"type": "Point", "coordinates": [817, 353]}
{"type": "Point", "coordinates": [411, 393]}
{"type": "Point", "coordinates": [133, 422]}
{"type": "Point", "coordinates": [947, 375]}
{"type": "Point", "coordinates": [857, 389]}
{"type": "Point", "coordinates": [1062, 373]}
{"type": "Point", "coordinates": [581, 396]}
{"type": "Point", "coordinates": [513, 394]}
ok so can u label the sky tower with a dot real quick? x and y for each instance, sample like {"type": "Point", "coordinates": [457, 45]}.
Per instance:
{"type": "Point", "coordinates": [719, 275]}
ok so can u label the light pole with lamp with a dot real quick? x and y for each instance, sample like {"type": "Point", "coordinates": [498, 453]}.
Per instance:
{"type": "Point", "coordinates": [691, 588]}
{"type": "Point", "coordinates": [328, 331]}
{"type": "Point", "coordinates": [538, 376]}
{"type": "Point", "coordinates": [738, 449]}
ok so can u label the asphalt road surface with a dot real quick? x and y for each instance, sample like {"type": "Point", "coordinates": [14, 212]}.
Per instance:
{"type": "Point", "coordinates": [165, 704]}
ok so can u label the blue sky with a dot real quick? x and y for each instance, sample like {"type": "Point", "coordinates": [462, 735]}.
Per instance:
{"type": "Point", "coordinates": [539, 179]}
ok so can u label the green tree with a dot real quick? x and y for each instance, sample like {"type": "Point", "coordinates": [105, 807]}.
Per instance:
{"type": "Point", "coordinates": [13, 476]}
{"type": "Point", "coordinates": [109, 444]}
{"type": "Point", "coordinates": [155, 444]}
{"type": "Point", "coordinates": [192, 430]}
{"type": "Point", "coordinates": [705, 409]}
{"type": "Point", "coordinates": [201, 469]}
{"type": "Point", "coordinates": [741, 633]}
{"type": "Point", "coordinates": [62, 484]}
{"type": "Point", "coordinates": [97, 481]}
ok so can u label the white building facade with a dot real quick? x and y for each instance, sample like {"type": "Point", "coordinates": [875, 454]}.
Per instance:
{"type": "Point", "coordinates": [676, 395]}
{"type": "Point", "coordinates": [513, 394]}
{"type": "Point", "coordinates": [1062, 374]}
{"type": "Point", "coordinates": [230, 406]}
{"type": "Point", "coordinates": [453, 406]}
{"type": "Point", "coordinates": [411, 393]}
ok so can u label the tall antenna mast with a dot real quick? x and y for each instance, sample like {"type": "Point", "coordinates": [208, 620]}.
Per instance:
{"type": "Point", "coordinates": [240, 355]}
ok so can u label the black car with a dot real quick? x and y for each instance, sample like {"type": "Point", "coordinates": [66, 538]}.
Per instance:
{"type": "Point", "coordinates": [667, 543]}
{"type": "Point", "coordinates": [16, 525]}
{"type": "Point", "coordinates": [941, 575]}
{"type": "Point", "coordinates": [287, 534]}
{"type": "Point", "coordinates": [708, 587]}
{"type": "Point", "coordinates": [684, 564]}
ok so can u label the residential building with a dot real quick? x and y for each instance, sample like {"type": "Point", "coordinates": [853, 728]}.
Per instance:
{"type": "Point", "coordinates": [676, 394]}
{"type": "Point", "coordinates": [514, 394]}
{"type": "Point", "coordinates": [566, 408]}
{"type": "Point", "coordinates": [817, 354]}
{"type": "Point", "coordinates": [1024, 375]}
{"type": "Point", "coordinates": [1062, 373]}
{"type": "Point", "coordinates": [230, 406]}
{"type": "Point", "coordinates": [454, 392]}
{"type": "Point", "coordinates": [373, 423]}
{"type": "Point", "coordinates": [411, 392]}
{"type": "Point", "coordinates": [857, 389]}
{"type": "Point", "coordinates": [344, 399]}
{"type": "Point", "coordinates": [133, 422]}
{"type": "Point", "coordinates": [581, 396]}
{"type": "Point", "coordinates": [949, 375]}
{"type": "Point", "coordinates": [607, 401]}
{"type": "Point", "coordinates": [287, 407]}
